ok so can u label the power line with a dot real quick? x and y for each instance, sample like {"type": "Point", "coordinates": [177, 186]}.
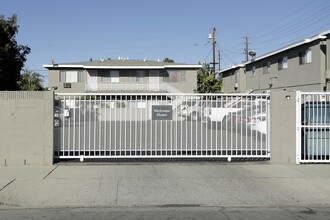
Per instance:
{"type": "Point", "coordinates": [289, 27]}
{"type": "Point", "coordinates": [297, 38]}
{"type": "Point", "coordinates": [229, 51]}
{"type": "Point", "coordinates": [293, 31]}
{"type": "Point", "coordinates": [227, 57]}
{"type": "Point", "coordinates": [286, 19]}
{"type": "Point", "coordinates": [208, 54]}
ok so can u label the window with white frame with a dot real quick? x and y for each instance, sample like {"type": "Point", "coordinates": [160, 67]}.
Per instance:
{"type": "Point", "coordinates": [71, 76]}
{"type": "Point", "coordinates": [114, 76]}
{"type": "Point", "coordinates": [305, 57]}
{"type": "Point", "coordinates": [283, 63]}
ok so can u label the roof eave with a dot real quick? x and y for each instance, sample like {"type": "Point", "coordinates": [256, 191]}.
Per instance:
{"type": "Point", "coordinates": [183, 66]}
{"type": "Point", "coordinates": [231, 68]}
{"type": "Point", "coordinates": [320, 36]}
{"type": "Point", "coordinates": [124, 67]}
{"type": "Point", "coordinates": [51, 66]}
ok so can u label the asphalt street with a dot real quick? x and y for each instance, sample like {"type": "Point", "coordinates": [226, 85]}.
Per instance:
{"type": "Point", "coordinates": [166, 213]}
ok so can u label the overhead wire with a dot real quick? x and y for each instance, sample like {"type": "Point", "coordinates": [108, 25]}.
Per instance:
{"type": "Point", "coordinates": [293, 30]}
{"type": "Point", "coordinates": [295, 39]}
{"type": "Point", "coordinates": [286, 18]}
{"type": "Point", "coordinates": [225, 55]}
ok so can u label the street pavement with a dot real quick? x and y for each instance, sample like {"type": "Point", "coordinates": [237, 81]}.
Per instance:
{"type": "Point", "coordinates": [169, 187]}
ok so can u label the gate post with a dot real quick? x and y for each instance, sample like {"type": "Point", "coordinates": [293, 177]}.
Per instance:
{"type": "Point", "coordinates": [26, 129]}
{"type": "Point", "coordinates": [283, 127]}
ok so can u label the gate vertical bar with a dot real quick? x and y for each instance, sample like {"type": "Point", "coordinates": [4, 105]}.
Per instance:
{"type": "Point", "coordinates": [298, 126]}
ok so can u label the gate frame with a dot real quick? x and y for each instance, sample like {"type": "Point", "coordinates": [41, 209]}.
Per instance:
{"type": "Point", "coordinates": [267, 141]}
{"type": "Point", "coordinates": [299, 127]}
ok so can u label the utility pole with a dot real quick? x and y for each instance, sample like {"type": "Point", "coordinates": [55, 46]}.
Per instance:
{"type": "Point", "coordinates": [213, 45]}
{"type": "Point", "coordinates": [212, 35]}
{"type": "Point", "coordinates": [246, 50]}
{"type": "Point", "coordinates": [219, 60]}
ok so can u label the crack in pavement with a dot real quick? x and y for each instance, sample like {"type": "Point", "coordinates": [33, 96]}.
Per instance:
{"type": "Point", "coordinates": [154, 168]}
{"type": "Point", "coordinates": [50, 172]}
{"type": "Point", "coordinates": [116, 201]}
{"type": "Point", "coordinates": [7, 185]}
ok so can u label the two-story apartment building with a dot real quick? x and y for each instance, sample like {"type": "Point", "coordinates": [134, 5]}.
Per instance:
{"type": "Point", "coordinates": [122, 75]}
{"type": "Point", "coordinates": [304, 66]}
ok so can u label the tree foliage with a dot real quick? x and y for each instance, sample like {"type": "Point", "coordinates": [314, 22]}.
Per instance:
{"type": "Point", "coordinates": [168, 60]}
{"type": "Point", "coordinates": [12, 55]}
{"type": "Point", "coordinates": [30, 81]}
{"type": "Point", "coordinates": [207, 82]}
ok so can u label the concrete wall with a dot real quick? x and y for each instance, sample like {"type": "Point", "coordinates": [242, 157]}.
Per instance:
{"type": "Point", "coordinates": [26, 128]}
{"type": "Point", "coordinates": [282, 127]}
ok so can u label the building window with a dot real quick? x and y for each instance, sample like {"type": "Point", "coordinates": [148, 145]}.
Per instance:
{"type": "Point", "coordinates": [114, 76]}
{"type": "Point", "coordinates": [71, 76]}
{"type": "Point", "coordinates": [140, 75]}
{"type": "Point", "coordinates": [305, 57]}
{"type": "Point", "coordinates": [253, 70]}
{"type": "Point", "coordinates": [266, 68]}
{"type": "Point", "coordinates": [105, 76]}
{"type": "Point", "coordinates": [283, 63]}
{"type": "Point", "coordinates": [175, 76]}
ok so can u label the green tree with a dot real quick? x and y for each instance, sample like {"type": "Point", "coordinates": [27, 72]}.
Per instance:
{"type": "Point", "coordinates": [207, 81]}
{"type": "Point", "coordinates": [168, 60]}
{"type": "Point", "coordinates": [12, 55]}
{"type": "Point", "coordinates": [30, 81]}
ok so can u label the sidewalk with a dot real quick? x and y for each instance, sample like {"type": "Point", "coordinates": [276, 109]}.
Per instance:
{"type": "Point", "coordinates": [197, 184]}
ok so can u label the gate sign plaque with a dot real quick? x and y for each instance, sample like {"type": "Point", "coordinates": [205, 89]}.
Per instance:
{"type": "Point", "coordinates": [161, 112]}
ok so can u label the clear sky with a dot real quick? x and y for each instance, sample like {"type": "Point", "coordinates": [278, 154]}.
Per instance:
{"type": "Point", "coordinates": [76, 30]}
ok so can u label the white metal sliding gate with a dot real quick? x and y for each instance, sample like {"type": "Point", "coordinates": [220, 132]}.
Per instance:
{"type": "Point", "coordinates": [161, 125]}
{"type": "Point", "coordinates": [313, 127]}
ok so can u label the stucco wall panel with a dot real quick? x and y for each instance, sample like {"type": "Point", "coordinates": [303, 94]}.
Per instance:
{"type": "Point", "coordinates": [26, 130]}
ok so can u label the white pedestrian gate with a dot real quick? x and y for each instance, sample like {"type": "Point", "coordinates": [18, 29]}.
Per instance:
{"type": "Point", "coordinates": [161, 125]}
{"type": "Point", "coordinates": [313, 127]}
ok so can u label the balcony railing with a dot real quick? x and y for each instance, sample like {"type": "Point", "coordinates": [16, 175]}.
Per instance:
{"type": "Point", "coordinates": [130, 87]}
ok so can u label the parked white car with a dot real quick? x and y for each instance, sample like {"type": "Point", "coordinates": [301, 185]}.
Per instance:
{"type": "Point", "coordinates": [190, 109]}
{"type": "Point", "coordinates": [214, 111]}
{"type": "Point", "coordinates": [258, 122]}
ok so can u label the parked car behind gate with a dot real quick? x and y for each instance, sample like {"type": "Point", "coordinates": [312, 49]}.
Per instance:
{"type": "Point", "coordinates": [258, 122]}
{"type": "Point", "coordinates": [191, 109]}
{"type": "Point", "coordinates": [215, 111]}
{"type": "Point", "coordinates": [252, 110]}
